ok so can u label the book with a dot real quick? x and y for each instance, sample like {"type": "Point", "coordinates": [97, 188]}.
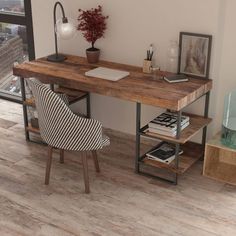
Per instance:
{"type": "Point", "coordinates": [165, 153]}
{"type": "Point", "coordinates": [176, 78]}
{"type": "Point", "coordinates": [167, 121]}
{"type": "Point", "coordinates": [106, 73]}
{"type": "Point", "coordinates": [171, 133]}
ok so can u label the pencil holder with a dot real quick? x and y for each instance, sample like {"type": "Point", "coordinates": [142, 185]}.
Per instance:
{"type": "Point", "coordinates": [147, 65]}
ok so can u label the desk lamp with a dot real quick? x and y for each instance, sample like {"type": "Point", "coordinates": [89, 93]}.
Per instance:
{"type": "Point", "coordinates": [63, 28]}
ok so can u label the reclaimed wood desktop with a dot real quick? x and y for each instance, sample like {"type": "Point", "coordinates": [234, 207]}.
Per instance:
{"type": "Point", "coordinates": [137, 87]}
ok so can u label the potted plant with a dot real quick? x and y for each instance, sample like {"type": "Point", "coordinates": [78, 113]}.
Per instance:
{"type": "Point", "coordinates": [92, 23]}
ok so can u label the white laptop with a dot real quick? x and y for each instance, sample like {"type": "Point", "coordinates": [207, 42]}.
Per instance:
{"type": "Point", "coordinates": [106, 73]}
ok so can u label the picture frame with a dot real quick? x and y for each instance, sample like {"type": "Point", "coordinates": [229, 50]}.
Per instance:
{"type": "Point", "coordinates": [195, 54]}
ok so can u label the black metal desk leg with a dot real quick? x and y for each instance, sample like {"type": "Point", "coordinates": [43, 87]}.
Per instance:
{"type": "Point", "coordinates": [25, 115]}
{"type": "Point", "coordinates": [88, 106]}
{"type": "Point", "coordinates": [204, 132]}
{"type": "Point", "coordinates": [177, 146]}
{"type": "Point", "coordinates": [138, 118]}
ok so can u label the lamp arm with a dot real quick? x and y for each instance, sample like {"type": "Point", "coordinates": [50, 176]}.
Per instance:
{"type": "Point", "coordinates": [54, 19]}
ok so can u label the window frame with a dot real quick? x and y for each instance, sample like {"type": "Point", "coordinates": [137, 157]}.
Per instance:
{"type": "Point", "coordinates": [25, 20]}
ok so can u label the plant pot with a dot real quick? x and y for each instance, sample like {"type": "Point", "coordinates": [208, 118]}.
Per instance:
{"type": "Point", "coordinates": [93, 55]}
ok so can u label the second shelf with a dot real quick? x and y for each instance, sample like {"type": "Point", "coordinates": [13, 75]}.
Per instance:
{"type": "Point", "coordinates": [196, 123]}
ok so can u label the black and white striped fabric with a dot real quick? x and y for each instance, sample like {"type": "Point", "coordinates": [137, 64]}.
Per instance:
{"type": "Point", "coordinates": [60, 127]}
{"type": "Point", "coordinates": [64, 98]}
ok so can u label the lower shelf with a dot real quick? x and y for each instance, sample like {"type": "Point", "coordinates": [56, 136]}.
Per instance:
{"type": "Point", "coordinates": [32, 129]}
{"type": "Point", "coordinates": [192, 153]}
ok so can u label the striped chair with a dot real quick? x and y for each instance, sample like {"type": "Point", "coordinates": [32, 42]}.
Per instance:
{"type": "Point", "coordinates": [60, 128]}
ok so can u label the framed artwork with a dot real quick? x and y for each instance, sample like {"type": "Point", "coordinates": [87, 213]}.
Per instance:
{"type": "Point", "coordinates": [195, 54]}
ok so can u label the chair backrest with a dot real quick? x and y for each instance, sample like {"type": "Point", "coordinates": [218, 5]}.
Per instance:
{"type": "Point", "coordinates": [59, 126]}
{"type": "Point", "coordinates": [52, 110]}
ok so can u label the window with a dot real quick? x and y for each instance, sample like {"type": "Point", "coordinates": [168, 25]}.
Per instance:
{"type": "Point", "coordinates": [16, 44]}
{"type": "Point", "coordinates": [12, 6]}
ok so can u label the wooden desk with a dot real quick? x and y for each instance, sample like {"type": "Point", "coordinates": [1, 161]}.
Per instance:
{"type": "Point", "coordinates": [138, 87]}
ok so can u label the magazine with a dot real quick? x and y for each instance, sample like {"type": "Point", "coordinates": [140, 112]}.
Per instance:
{"type": "Point", "coordinates": [165, 153]}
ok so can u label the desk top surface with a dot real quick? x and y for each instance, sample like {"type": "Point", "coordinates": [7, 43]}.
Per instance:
{"type": "Point", "coordinates": [137, 87]}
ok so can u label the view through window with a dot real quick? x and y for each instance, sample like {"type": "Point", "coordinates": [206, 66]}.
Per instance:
{"type": "Point", "coordinates": [16, 43]}
{"type": "Point", "coordinates": [12, 6]}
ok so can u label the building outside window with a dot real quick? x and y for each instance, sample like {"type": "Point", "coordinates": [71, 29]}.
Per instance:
{"type": "Point", "coordinates": [16, 44]}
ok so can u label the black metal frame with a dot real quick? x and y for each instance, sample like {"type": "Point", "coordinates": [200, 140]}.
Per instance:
{"type": "Point", "coordinates": [25, 114]}
{"type": "Point", "coordinates": [139, 133]}
{"type": "Point", "coordinates": [25, 20]}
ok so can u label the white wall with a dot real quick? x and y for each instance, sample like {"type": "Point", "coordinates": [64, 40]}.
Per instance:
{"type": "Point", "coordinates": [132, 26]}
{"type": "Point", "coordinates": [227, 65]}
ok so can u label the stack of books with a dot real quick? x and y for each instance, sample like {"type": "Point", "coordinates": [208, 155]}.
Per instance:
{"type": "Point", "coordinates": [165, 153]}
{"type": "Point", "coordinates": [166, 124]}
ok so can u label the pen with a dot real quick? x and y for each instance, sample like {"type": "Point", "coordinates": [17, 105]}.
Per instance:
{"type": "Point", "coordinates": [150, 53]}
{"type": "Point", "coordinates": [151, 48]}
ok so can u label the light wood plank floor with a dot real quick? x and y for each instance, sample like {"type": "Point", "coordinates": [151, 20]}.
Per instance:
{"type": "Point", "coordinates": [120, 203]}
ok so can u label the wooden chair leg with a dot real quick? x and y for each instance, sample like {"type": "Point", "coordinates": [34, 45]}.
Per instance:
{"type": "Point", "coordinates": [95, 159]}
{"type": "Point", "coordinates": [61, 156]}
{"type": "Point", "coordinates": [85, 170]}
{"type": "Point", "coordinates": [48, 167]}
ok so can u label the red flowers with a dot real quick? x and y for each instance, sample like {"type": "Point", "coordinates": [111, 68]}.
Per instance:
{"type": "Point", "coordinates": [92, 23]}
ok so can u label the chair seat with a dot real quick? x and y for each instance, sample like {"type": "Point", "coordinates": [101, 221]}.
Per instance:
{"type": "Point", "coordinates": [105, 140]}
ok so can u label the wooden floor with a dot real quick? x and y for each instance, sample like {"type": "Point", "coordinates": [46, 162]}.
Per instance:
{"type": "Point", "coordinates": [120, 203]}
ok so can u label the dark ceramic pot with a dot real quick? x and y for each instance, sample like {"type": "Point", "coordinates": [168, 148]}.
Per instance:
{"type": "Point", "coordinates": [93, 55]}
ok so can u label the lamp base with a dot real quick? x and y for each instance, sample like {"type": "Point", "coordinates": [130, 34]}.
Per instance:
{"type": "Point", "coordinates": [56, 58]}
